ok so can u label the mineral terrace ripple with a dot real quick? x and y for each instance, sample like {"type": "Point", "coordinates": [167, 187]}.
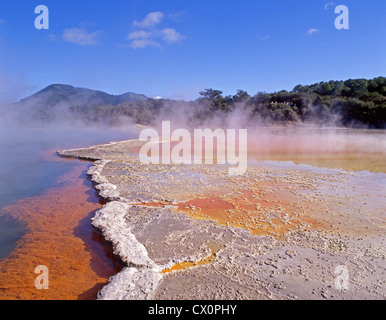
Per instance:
{"type": "Point", "coordinates": [278, 232]}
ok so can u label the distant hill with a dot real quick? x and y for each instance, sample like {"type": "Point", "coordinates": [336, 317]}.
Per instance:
{"type": "Point", "coordinates": [61, 99]}
{"type": "Point", "coordinates": [59, 94]}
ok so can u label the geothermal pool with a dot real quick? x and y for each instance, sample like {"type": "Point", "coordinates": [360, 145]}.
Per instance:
{"type": "Point", "coordinates": [301, 179]}
{"type": "Point", "coordinates": [45, 208]}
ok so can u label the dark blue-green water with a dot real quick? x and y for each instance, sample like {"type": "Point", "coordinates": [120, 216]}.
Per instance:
{"type": "Point", "coordinates": [26, 171]}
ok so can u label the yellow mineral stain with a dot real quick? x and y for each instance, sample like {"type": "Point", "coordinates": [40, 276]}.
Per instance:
{"type": "Point", "coordinates": [189, 264]}
{"type": "Point", "coordinates": [274, 213]}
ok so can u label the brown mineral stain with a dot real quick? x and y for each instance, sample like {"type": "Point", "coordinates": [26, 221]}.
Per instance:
{"type": "Point", "coordinates": [60, 236]}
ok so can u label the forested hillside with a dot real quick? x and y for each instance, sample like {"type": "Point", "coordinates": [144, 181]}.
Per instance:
{"type": "Point", "coordinates": [350, 103]}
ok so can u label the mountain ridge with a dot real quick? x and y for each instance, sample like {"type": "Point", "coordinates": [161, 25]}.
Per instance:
{"type": "Point", "coordinates": [57, 94]}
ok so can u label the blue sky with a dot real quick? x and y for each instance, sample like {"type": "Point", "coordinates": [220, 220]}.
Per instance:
{"type": "Point", "coordinates": [176, 48]}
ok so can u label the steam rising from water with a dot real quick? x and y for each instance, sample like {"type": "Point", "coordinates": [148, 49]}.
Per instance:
{"type": "Point", "coordinates": [28, 166]}
{"type": "Point", "coordinates": [302, 142]}
{"type": "Point", "coordinates": [70, 129]}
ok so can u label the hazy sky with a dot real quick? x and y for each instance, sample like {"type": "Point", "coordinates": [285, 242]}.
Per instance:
{"type": "Point", "coordinates": [177, 48]}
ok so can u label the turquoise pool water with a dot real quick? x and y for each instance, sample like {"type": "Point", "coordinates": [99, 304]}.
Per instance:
{"type": "Point", "coordinates": [26, 169]}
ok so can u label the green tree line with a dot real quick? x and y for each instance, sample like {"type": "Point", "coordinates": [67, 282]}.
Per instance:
{"type": "Point", "coordinates": [351, 103]}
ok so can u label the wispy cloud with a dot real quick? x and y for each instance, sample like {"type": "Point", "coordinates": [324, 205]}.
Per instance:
{"type": "Point", "coordinates": [171, 35]}
{"type": "Point", "coordinates": [53, 38]}
{"type": "Point", "coordinates": [176, 16]}
{"type": "Point", "coordinates": [328, 4]}
{"type": "Point", "coordinates": [142, 34]}
{"type": "Point", "coordinates": [143, 43]}
{"type": "Point", "coordinates": [81, 36]}
{"type": "Point", "coordinates": [150, 36]}
{"type": "Point", "coordinates": [265, 38]}
{"type": "Point", "coordinates": [150, 21]}
{"type": "Point", "coordinates": [2, 21]}
{"type": "Point", "coordinates": [311, 31]}
{"type": "Point", "coordinates": [154, 38]}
